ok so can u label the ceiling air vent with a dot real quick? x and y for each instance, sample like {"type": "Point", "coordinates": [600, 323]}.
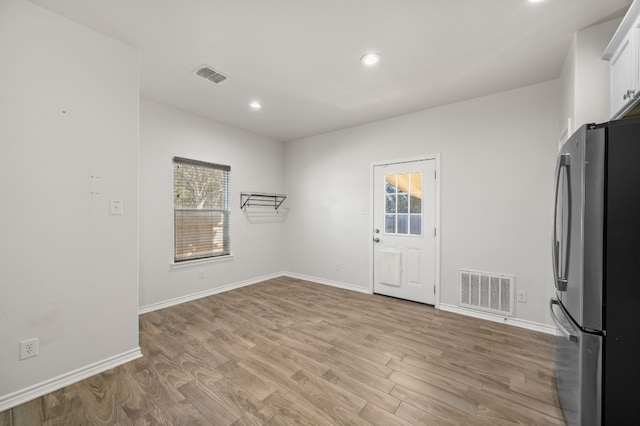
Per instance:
{"type": "Point", "coordinates": [210, 74]}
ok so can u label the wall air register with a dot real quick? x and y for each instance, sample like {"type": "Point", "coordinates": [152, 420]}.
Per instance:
{"type": "Point", "coordinates": [210, 74]}
{"type": "Point", "coordinates": [487, 292]}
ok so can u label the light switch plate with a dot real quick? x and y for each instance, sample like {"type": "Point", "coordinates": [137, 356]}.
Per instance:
{"type": "Point", "coordinates": [116, 207]}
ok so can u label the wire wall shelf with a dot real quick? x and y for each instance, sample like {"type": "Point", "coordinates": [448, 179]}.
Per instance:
{"type": "Point", "coordinates": [261, 199]}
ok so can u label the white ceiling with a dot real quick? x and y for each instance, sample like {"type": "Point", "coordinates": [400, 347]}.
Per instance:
{"type": "Point", "coordinates": [301, 57]}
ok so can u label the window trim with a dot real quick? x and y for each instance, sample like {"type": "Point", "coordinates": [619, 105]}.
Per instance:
{"type": "Point", "coordinates": [185, 264]}
{"type": "Point", "coordinates": [214, 258]}
{"type": "Point", "coordinates": [201, 164]}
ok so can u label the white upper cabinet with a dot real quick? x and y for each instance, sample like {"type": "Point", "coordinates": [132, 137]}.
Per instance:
{"type": "Point", "coordinates": [623, 81]}
{"type": "Point", "coordinates": [623, 55]}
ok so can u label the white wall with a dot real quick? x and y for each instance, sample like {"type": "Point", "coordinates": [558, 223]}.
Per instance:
{"type": "Point", "coordinates": [69, 271]}
{"type": "Point", "coordinates": [256, 165]}
{"type": "Point", "coordinates": [592, 73]}
{"type": "Point", "coordinates": [497, 160]}
{"type": "Point", "coordinates": [568, 93]}
{"type": "Point", "coordinates": [584, 80]}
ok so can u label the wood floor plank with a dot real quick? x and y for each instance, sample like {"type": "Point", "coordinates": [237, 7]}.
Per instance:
{"type": "Point", "coordinates": [367, 351]}
{"type": "Point", "coordinates": [162, 344]}
{"type": "Point", "coordinates": [6, 418]}
{"type": "Point", "coordinates": [199, 351]}
{"type": "Point", "coordinates": [451, 385]}
{"type": "Point", "coordinates": [60, 396]}
{"type": "Point", "coordinates": [154, 416]}
{"type": "Point", "coordinates": [197, 368]}
{"type": "Point", "coordinates": [210, 404]}
{"type": "Point", "coordinates": [63, 407]}
{"type": "Point", "coordinates": [185, 414]}
{"type": "Point", "coordinates": [70, 412]}
{"type": "Point", "coordinates": [268, 372]}
{"type": "Point", "coordinates": [136, 404]}
{"type": "Point", "coordinates": [533, 390]}
{"type": "Point", "coordinates": [397, 348]}
{"type": "Point", "coordinates": [29, 413]}
{"type": "Point", "coordinates": [291, 410]}
{"type": "Point", "coordinates": [464, 376]}
{"type": "Point", "coordinates": [379, 417]}
{"type": "Point", "coordinates": [146, 326]}
{"type": "Point", "coordinates": [228, 345]}
{"type": "Point", "coordinates": [251, 383]}
{"type": "Point", "coordinates": [154, 385]}
{"type": "Point", "coordinates": [433, 407]}
{"type": "Point", "coordinates": [128, 393]}
{"type": "Point", "coordinates": [255, 340]}
{"type": "Point", "coordinates": [415, 416]}
{"type": "Point", "coordinates": [298, 361]}
{"type": "Point", "coordinates": [372, 380]}
{"type": "Point", "coordinates": [517, 406]}
{"type": "Point", "coordinates": [355, 361]}
{"type": "Point", "coordinates": [336, 402]}
{"type": "Point", "coordinates": [548, 406]}
{"type": "Point", "coordinates": [378, 398]}
{"type": "Point", "coordinates": [101, 406]}
{"type": "Point", "coordinates": [171, 370]}
{"type": "Point", "coordinates": [252, 409]}
{"type": "Point", "coordinates": [288, 351]}
{"type": "Point", "coordinates": [496, 417]}
{"type": "Point", "coordinates": [444, 395]}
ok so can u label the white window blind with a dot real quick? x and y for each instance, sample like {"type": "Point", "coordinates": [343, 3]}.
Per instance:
{"type": "Point", "coordinates": [201, 209]}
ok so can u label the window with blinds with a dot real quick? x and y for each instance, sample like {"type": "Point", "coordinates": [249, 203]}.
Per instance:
{"type": "Point", "coordinates": [201, 209]}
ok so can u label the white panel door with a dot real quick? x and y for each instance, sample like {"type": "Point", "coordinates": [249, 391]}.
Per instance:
{"type": "Point", "coordinates": [404, 252]}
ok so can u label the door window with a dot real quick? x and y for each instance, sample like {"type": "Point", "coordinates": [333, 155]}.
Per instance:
{"type": "Point", "coordinates": [403, 204]}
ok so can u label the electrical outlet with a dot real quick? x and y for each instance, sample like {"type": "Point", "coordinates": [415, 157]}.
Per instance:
{"type": "Point", "coordinates": [522, 296]}
{"type": "Point", "coordinates": [338, 267]}
{"type": "Point", "coordinates": [29, 348]}
{"type": "Point", "coordinates": [201, 275]}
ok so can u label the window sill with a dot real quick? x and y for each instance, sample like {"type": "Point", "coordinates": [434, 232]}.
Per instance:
{"type": "Point", "coordinates": [200, 262]}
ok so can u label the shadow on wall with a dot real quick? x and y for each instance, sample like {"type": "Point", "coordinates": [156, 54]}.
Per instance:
{"type": "Point", "coordinates": [256, 215]}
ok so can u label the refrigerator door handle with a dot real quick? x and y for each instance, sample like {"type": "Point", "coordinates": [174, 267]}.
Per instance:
{"type": "Point", "coordinates": [566, 333]}
{"type": "Point", "coordinates": [560, 280]}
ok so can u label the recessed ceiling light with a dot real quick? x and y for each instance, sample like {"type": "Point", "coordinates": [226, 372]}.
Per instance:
{"type": "Point", "coordinates": [255, 105]}
{"type": "Point", "coordinates": [536, 1]}
{"type": "Point", "coordinates": [370, 59]}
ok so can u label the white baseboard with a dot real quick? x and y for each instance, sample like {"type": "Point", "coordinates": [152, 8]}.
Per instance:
{"type": "Point", "coordinates": [206, 293]}
{"type": "Point", "coordinates": [40, 389]}
{"type": "Point", "coordinates": [529, 325]}
{"type": "Point", "coordinates": [331, 283]}
{"type": "Point", "coordinates": [32, 392]}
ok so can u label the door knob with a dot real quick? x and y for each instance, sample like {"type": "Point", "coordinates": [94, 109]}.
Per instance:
{"type": "Point", "coordinates": [376, 240]}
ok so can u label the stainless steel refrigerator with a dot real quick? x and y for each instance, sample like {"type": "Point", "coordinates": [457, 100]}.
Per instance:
{"type": "Point", "coordinates": [596, 263]}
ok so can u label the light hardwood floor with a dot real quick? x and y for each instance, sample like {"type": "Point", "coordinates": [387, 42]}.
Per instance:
{"type": "Point", "coordinates": [292, 352]}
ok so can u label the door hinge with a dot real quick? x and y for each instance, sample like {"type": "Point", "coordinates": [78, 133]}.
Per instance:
{"type": "Point", "coordinates": [435, 176]}
{"type": "Point", "coordinates": [434, 232]}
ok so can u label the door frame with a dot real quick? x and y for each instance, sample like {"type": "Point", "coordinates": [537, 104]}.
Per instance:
{"type": "Point", "coordinates": [372, 165]}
